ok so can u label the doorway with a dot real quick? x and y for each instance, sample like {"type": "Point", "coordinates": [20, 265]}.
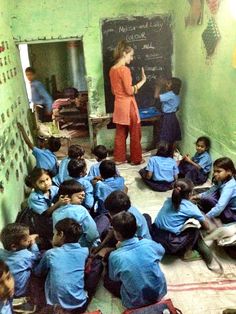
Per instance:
{"type": "Point", "coordinates": [60, 66]}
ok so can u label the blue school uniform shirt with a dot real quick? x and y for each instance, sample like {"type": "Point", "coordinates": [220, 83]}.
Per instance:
{"type": "Point", "coordinates": [40, 202]}
{"type": "Point", "coordinates": [204, 161]}
{"type": "Point", "coordinates": [94, 170]}
{"type": "Point", "coordinates": [136, 264]}
{"type": "Point", "coordinates": [173, 220]}
{"type": "Point", "coordinates": [80, 214]}
{"type": "Point", "coordinates": [170, 102]}
{"type": "Point", "coordinates": [227, 197]}
{"type": "Point", "coordinates": [21, 263]}
{"type": "Point", "coordinates": [104, 188]}
{"type": "Point", "coordinates": [142, 226]}
{"type": "Point", "coordinates": [40, 96]}
{"type": "Point", "coordinates": [162, 168]}
{"type": "Point", "coordinates": [64, 267]}
{"type": "Point", "coordinates": [45, 159]}
{"type": "Point", "coordinates": [62, 171]}
{"type": "Point", "coordinates": [5, 307]}
{"type": "Point", "coordinates": [88, 189]}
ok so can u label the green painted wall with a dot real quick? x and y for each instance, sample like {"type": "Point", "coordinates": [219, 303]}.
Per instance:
{"type": "Point", "coordinates": [13, 107]}
{"type": "Point", "coordinates": [50, 59]}
{"type": "Point", "coordinates": [208, 106]}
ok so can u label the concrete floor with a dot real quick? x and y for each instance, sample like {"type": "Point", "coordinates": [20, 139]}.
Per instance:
{"type": "Point", "coordinates": [192, 287]}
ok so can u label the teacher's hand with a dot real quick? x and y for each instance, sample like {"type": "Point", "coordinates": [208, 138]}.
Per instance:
{"type": "Point", "coordinates": [144, 78]}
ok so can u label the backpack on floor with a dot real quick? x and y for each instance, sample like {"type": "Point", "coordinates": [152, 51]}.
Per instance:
{"type": "Point", "coordinates": [26, 216]}
{"type": "Point", "coordinates": [156, 308]}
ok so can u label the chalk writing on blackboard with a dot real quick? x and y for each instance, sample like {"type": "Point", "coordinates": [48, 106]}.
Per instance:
{"type": "Point", "coordinates": [151, 39]}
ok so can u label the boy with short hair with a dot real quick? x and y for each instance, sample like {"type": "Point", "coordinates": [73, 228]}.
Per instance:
{"type": "Point", "coordinates": [6, 289]}
{"type": "Point", "coordinates": [77, 169]}
{"type": "Point", "coordinates": [40, 96]}
{"type": "Point", "coordinates": [110, 181]}
{"type": "Point", "coordinates": [134, 265]}
{"type": "Point", "coordinates": [100, 153]}
{"type": "Point", "coordinates": [74, 152]}
{"type": "Point", "coordinates": [115, 203]}
{"type": "Point", "coordinates": [20, 253]}
{"type": "Point", "coordinates": [65, 268]}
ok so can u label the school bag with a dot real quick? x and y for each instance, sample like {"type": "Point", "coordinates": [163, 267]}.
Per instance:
{"type": "Point", "coordinates": [161, 307]}
{"type": "Point", "coordinates": [25, 216]}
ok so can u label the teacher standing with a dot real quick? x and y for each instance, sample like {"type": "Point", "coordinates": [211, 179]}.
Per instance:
{"type": "Point", "coordinates": [126, 114]}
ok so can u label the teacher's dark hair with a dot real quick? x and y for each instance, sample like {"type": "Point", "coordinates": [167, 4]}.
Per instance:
{"type": "Point", "coordinates": [122, 46]}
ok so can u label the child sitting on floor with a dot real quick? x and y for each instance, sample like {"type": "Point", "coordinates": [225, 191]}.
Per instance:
{"type": "Point", "coordinates": [74, 152]}
{"type": "Point", "coordinates": [77, 171]}
{"type": "Point", "coordinates": [42, 202]}
{"type": "Point", "coordinates": [220, 200]}
{"type": "Point", "coordinates": [169, 224]}
{"type": "Point", "coordinates": [6, 289]}
{"type": "Point", "coordinates": [110, 182]}
{"type": "Point", "coordinates": [45, 157]}
{"type": "Point", "coordinates": [20, 253]}
{"type": "Point", "coordinates": [198, 167]}
{"type": "Point", "coordinates": [73, 193]}
{"type": "Point", "coordinates": [65, 266]}
{"type": "Point", "coordinates": [161, 170]}
{"type": "Point", "coordinates": [100, 153]}
{"type": "Point", "coordinates": [134, 271]}
{"type": "Point", "coordinates": [115, 203]}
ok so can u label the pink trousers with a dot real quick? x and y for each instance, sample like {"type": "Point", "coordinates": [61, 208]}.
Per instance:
{"type": "Point", "coordinates": [122, 131]}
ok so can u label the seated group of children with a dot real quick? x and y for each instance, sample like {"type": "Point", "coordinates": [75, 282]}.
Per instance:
{"type": "Point", "coordinates": [83, 221]}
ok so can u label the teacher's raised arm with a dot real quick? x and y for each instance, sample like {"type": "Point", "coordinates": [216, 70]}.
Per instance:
{"type": "Point", "coordinates": [126, 114]}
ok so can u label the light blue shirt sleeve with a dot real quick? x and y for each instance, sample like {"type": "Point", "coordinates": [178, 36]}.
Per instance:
{"type": "Point", "coordinates": [204, 161]}
{"type": "Point", "coordinates": [43, 266]}
{"type": "Point", "coordinates": [5, 307]}
{"type": "Point", "coordinates": [38, 205]}
{"type": "Point", "coordinates": [91, 231]}
{"type": "Point", "coordinates": [226, 194]}
{"type": "Point", "coordinates": [150, 165]}
{"type": "Point", "coordinates": [88, 188]}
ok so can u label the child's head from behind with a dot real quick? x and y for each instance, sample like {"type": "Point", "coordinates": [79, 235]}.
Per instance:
{"type": "Point", "coordinates": [77, 168]}
{"type": "Point", "coordinates": [223, 169]}
{"type": "Point", "coordinates": [100, 152]}
{"type": "Point", "coordinates": [107, 169]}
{"type": "Point", "coordinates": [165, 149]}
{"type": "Point", "coordinates": [30, 73]}
{"type": "Point", "coordinates": [72, 189]}
{"type": "Point", "coordinates": [182, 190]}
{"type": "Point", "coordinates": [39, 179]}
{"type": "Point", "coordinates": [116, 202]}
{"type": "Point", "coordinates": [6, 282]}
{"type": "Point", "coordinates": [203, 144]}
{"type": "Point", "coordinates": [66, 231]}
{"type": "Point", "coordinates": [53, 144]}
{"type": "Point", "coordinates": [76, 152]}
{"type": "Point", "coordinates": [125, 226]}
{"type": "Point", "coordinates": [15, 237]}
{"type": "Point", "coordinates": [174, 84]}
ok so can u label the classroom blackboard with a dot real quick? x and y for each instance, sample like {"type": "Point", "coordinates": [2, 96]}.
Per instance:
{"type": "Point", "coordinates": [151, 39]}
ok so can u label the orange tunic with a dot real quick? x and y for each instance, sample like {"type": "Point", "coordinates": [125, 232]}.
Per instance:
{"type": "Point", "coordinates": [121, 84]}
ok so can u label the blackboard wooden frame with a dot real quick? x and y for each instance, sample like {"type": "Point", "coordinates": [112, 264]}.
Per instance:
{"type": "Point", "coordinates": [152, 40]}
